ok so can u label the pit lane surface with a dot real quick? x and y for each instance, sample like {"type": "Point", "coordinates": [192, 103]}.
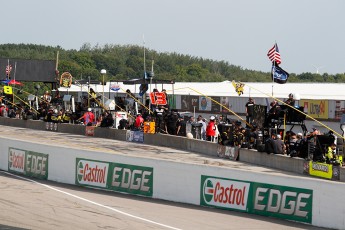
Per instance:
{"type": "Point", "coordinates": [127, 148]}
{"type": "Point", "coordinates": [35, 204]}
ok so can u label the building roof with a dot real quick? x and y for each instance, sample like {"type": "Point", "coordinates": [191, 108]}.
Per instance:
{"type": "Point", "coordinates": [317, 91]}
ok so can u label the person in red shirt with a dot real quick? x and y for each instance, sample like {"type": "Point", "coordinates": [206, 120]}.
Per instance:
{"type": "Point", "coordinates": [211, 129]}
{"type": "Point", "coordinates": [139, 121]}
{"type": "Point", "coordinates": [88, 117]}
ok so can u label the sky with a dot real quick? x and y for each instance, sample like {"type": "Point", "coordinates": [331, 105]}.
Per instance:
{"type": "Point", "coordinates": [310, 33]}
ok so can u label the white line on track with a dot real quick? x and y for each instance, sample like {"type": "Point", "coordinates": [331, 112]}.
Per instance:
{"type": "Point", "coordinates": [92, 202]}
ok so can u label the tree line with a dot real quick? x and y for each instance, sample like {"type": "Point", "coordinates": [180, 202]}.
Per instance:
{"type": "Point", "coordinates": [124, 62]}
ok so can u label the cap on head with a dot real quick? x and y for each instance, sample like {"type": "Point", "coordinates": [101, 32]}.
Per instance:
{"type": "Point", "coordinates": [278, 136]}
{"type": "Point", "coordinates": [212, 118]}
{"type": "Point", "coordinates": [299, 134]}
{"type": "Point", "coordinates": [89, 109]}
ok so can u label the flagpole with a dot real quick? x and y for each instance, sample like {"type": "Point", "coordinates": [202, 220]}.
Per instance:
{"type": "Point", "coordinates": [272, 72]}
{"type": "Point", "coordinates": [14, 79]}
{"type": "Point", "coordinates": [274, 66]}
{"type": "Point", "coordinates": [15, 68]}
{"type": "Point", "coordinates": [9, 72]}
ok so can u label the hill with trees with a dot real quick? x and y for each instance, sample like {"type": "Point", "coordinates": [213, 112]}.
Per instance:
{"type": "Point", "coordinates": [124, 62]}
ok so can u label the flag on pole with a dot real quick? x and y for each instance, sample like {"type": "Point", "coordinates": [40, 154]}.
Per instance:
{"type": "Point", "coordinates": [8, 70]}
{"type": "Point", "coordinates": [278, 74]}
{"type": "Point", "coordinates": [274, 55]}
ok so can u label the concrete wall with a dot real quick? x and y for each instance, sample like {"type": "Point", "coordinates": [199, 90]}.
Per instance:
{"type": "Point", "coordinates": [170, 181]}
{"type": "Point", "coordinates": [284, 163]}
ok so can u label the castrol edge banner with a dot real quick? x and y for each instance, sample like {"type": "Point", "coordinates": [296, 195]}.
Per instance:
{"type": "Point", "coordinates": [29, 163]}
{"type": "Point", "coordinates": [132, 179]}
{"type": "Point", "coordinates": [279, 201]}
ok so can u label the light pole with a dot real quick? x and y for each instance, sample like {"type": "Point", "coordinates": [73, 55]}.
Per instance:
{"type": "Point", "coordinates": [103, 72]}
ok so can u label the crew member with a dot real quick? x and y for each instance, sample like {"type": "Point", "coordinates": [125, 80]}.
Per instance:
{"type": "Point", "coordinates": [88, 117]}
{"type": "Point", "coordinates": [290, 101]}
{"type": "Point", "coordinates": [211, 129]}
{"type": "Point", "coordinates": [139, 122]}
{"type": "Point", "coordinates": [46, 97]}
{"type": "Point", "coordinates": [273, 113]}
{"type": "Point", "coordinates": [249, 111]}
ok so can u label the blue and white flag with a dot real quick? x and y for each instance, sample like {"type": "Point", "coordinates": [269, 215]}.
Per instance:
{"type": "Point", "coordinates": [278, 74]}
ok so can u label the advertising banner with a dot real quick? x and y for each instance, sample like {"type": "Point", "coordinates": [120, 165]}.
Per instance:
{"type": "Point", "coordinates": [205, 104]}
{"type": "Point", "coordinates": [188, 103]}
{"type": "Point", "coordinates": [92, 173]}
{"type": "Point", "coordinates": [51, 126]}
{"type": "Point", "coordinates": [135, 136]}
{"type": "Point", "coordinates": [28, 163]}
{"type": "Point", "coordinates": [228, 152]}
{"type": "Point", "coordinates": [315, 108]}
{"type": "Point", "coordinates": [215, 106]}
{"type": "Point", "coordinates": [322, 170]}
{"type": "Point", "coordinates": [131, 179]}
{"type": "Point", "coordinates": [224, 193]}
{"type": "Point", "coordinates": [282, 202]}
{"type": "Point", "coordinates": [118, 177]}
{"type": "Point", "coordinates": [225, 102]}
{"type": "Point", "coordinates": [257, 198]}
{"type": "Point", "coordinates": [89, 131]}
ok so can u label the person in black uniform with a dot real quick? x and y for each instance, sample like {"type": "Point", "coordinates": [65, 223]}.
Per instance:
{"type": "Point", "coordinates": [249, 111]}
{"type": "Point", "coordinates": [290, 101]}
{"type": "Point", "coordinates": [171, 122]}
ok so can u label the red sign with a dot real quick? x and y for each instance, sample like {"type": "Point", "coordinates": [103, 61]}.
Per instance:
{"type": "Point", "coordinates": [158, 98]}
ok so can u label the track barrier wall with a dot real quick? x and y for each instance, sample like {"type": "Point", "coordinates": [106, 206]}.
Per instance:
{"type": "Point", "coordinates": [304, 199]}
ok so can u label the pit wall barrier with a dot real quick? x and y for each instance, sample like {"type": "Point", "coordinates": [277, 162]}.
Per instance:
{"type": "Point", "coordinates": [303, 199]}
{"type": "Point", "coordinates": [251, 156]}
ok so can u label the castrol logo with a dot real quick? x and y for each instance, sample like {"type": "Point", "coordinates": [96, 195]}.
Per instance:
{"type": "Point", "coordinates": [16, 160]}
{"type": "Point", "coordinates": [225, 193]}
{"type": "Point", "coordinates": [92, 173]}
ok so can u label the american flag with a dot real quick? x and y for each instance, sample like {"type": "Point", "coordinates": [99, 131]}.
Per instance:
{"type": "Point", "coordinates": [8, 69]}
{"type": "Point", "coordinates": [274, 55]}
